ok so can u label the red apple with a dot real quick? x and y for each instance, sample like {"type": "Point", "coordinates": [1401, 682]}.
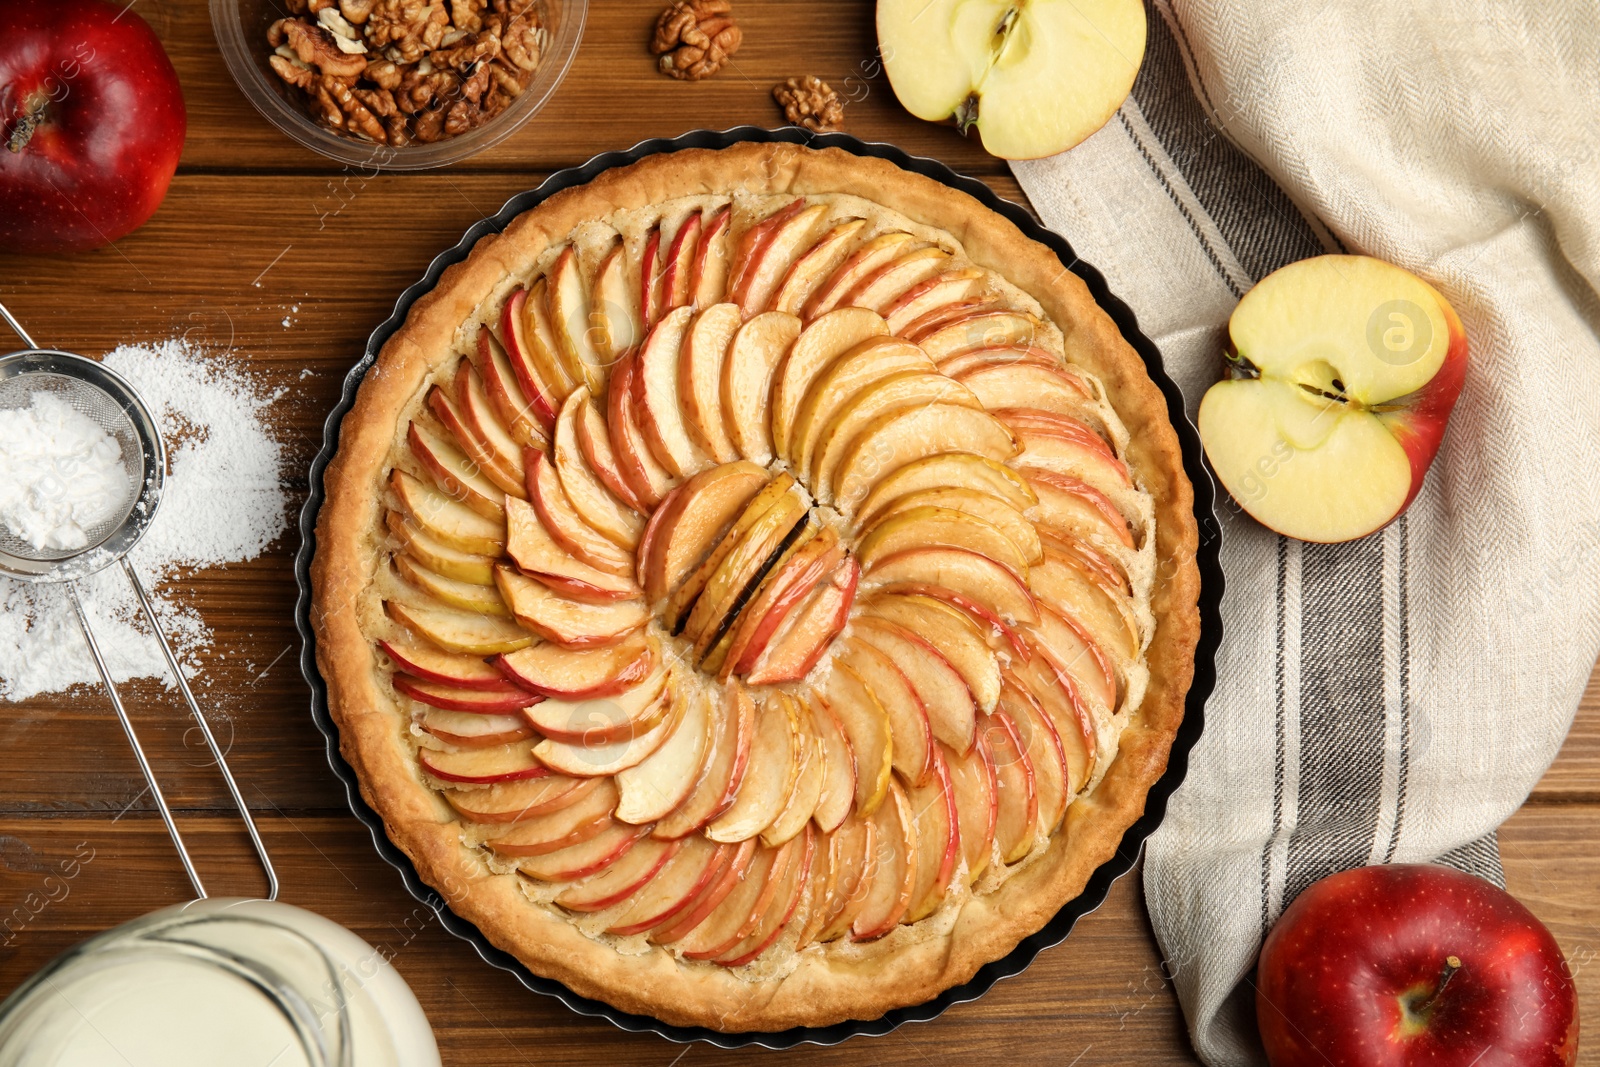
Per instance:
{"type": "Point", "coordinates": [92, 121]}
{"type": "Point", "coordinates": [1343, 372]}
{"type": "Point", "coordinates": [1413, 964]}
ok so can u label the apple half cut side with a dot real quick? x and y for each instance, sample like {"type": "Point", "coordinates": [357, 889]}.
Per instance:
{"type": "Point", "coordinates": [1343, 371]}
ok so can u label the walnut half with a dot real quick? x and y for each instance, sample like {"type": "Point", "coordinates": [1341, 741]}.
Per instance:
{"type": "Point", "coordinates": [810, 102]}
{"type": "Point", "coordinates": [694, 38]}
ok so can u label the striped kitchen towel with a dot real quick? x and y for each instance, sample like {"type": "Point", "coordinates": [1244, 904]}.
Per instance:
{"type": "Point", "coordinates": [1395, 698]}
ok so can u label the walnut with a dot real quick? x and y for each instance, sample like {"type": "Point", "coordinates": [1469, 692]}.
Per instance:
{"type": "Point", "coordinates": [506, 81]}
{"type": "Point", "coordinates": [315, 47]}
{"type": "Point", "coordinates": [467, 14]}
{"type": "Point", "coordinates": [418, 91]}
{"type": "Point", "coordinates": [383, 74]}
{"type": "Point", "coordinates": [307, 7]}
{"type": "Point", "coordinates": [810, 102]}
{"type": "Point", "coordinates": [408, 28]}
{"type": "Point", "coordinates": [356, 11]}
{"type": "Point", "coordinates": [428, 127]}
{"type": "Point", "coordinates": [694, 38]}
{"type": "Point", "coordinates": [521, 42]}
{"type": "Point", "coordinates": [293, 71]}
{"type": "Point", "coordinates": [467, 55]}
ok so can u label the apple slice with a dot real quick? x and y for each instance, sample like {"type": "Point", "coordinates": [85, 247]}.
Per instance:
{"type": "Point", "coordinates": [805, 636]}
{"type": "Point", "coordinates": [972, 780]}
{"type": "Point", "coordinates": [454, 473]}
{"type": "Point", "coordinates": [867, 725]}
{"type": "Point", "coordinates": [650, 275]}
{"type": "Point", "coordinates": [945, 697]}
{"type": "Point", "coordinates": [901, 435]}
{"type": "Point", "coordinates": [678, 273]}
{"type": "Point", "coordinates": [541, 835]}
{"type": "Point", "coordinates": [716, 638]}
{"type": "Point", "coordinates": [801, 803]}
{"type": "Point", "coordinates": [911, 735]}
{"type": "Point", "coordinates": [695, 865]}
{"type": "Point", "coordinates": [471, 730]}
{"type": "Point", "coordinates": [1053, 690]}
{"type": "Point", "coordinates": [745, 563]}
{"type": "Point", "coordinates": [857, 869]}
{"type": "Point", "coordinates": [742, 910]}
{"type": "Point", "coordinates": [482, 422]}
{"type": "Point", "coordinates": [1037, 733]}
{"type": "Point", "coordinates": [980, 505]}
{"type": "Point", "coordinates": [705, 347]}
{"type": "Point", "coordinates": [665, 778]}
{"type": "Point", "coordinates": [787, 587]}
{"type": "Point", "coordinates": [851, 373]}
{"type": "Point", "coordinates": [871, 409]}
{"type": "Point", "coordinates": [528, 420]}
{"type": "Point", "coordinates": [1034, 79]}
{"type": "Point", "coordinates": [451, 592]}
{"type": "Point", "coordinates": [621, 878]}
{"type": "Point", "coordinates": [895, 879]}
{"type": "Point", "coordinates": [817, 263]}
{"type": "Point", "coordinates": [656, 401]}
{"type": "Point", "coordinates": [601, 720]}
{"type": "Point", "coordinates": [1343, 372]}
{"type": "Point", "coordinates": [874, 254]}
{"type": "Point", "coordinates": [436, 555]}
{"type": "Point", "coordinates": [594, 443]}
{"type": "Point", "coordinates": [592, 757]}
{"type": "Point", "coordinates": [647, 480]}
{"type": "Point", "coordinates": [1074, 650]}
{"type": "Point", "coordinates": [570, 623]}
{"type": "Point", "coordinates": [770, 777]}
{"type": "Point", "coordinates": [950, 631]}
{"type": "Point", "coordinates": [561, 521]}
{"type": "Point", "coordinates": [752, 246]}
{"type": "Point", "coordinates": [567, 304]}
{"type": "Point", "coordinates": [817, 346]}
{"type": "Point", "coordinates": [1076, 508]}
{"type": "Point", "coordinates": [930, 526]}
{"type": "Point", "coordinates": [527, 371]}
{"type": "Point", "coordinates": [1105, 569]}
{"type": "Point", "coordinates": [911, 267]}
{"type": "Point", "coordinates": [513, 802]}
{"type": "Point", "coordinates": [983, 327]}
{"type": "Point", "coordinates": [709, 281]}
{"type": "Point", "coordinates": [785, 903]}
{"type": "Point", "coordinates": [433, 665]}
{"type": "Point", "coordinates": [754, 355]}
{"type": "Point", "coordinates": [501, 701]}
{"type": "Point", "coordinates": [585, 858]}
{"type": "Point", "coordinates": [506, 478]}
{"type": "Point", "coordinates": [948, 470]}
{"type": "Point", "coordinates": [926, 297]}
{"type": "Point", "coordinates": [695, 521]}
{"type": "Point", "coordinates": [789, 238]}
{"type": "Point", "coordinates": [969, 575]}
{"type": "Point", "coordinates": [1103, 613]}
{"type": "Point", "coordinates": [1078, 455]}
{"type": "Point", "coordinates": [817, 901]}
{"type": "Point", "coordinates": [460, 631]}
{"type": "Point", "coordinates": [1004, 356]}
{"type": "Point", "coordinates": [732, 730]}
{"type": "Point", "coordinates": [1027, 385]}
{"type": "Point", "coordinates": [734, 874]}
{"type": "Point", "coordinates": [538, 338]}
{"type": "Point", "coordinates": [838, 795]}
{"type": "Point", "coordinates": [614, 316]}
{"type": "Point", "coordinates": [534, 551]}
{"type": "Point", "coordinates": [483, 766]}
{"type": "Point", "coordinates": [591, 498]}
{"type": "Point", "coordinates": [683, 599]}
{"type": "Point", "coordinates": [553, 671]}
{"type": "Point", "coordinates": [933, 807]}
{"type": "Point", "coordinates": [1016, 794]}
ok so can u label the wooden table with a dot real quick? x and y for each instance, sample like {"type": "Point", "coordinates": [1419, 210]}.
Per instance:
{"type": "Point", "coordinates": [255, 226]}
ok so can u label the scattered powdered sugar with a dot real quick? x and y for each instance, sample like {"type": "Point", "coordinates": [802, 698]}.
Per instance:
{"type": "Point", "coordinates": [224, 501]}
{"type": "Point", "coordinates": [61, 475]}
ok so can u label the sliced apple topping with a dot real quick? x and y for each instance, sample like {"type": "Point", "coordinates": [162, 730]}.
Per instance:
{"type": "Point", "coordinates": [802, 639]}
{"type": "Point", "coordinates": [895, 877]}
{"type": "Point", "coordinates": [847, 376]}
{"type": "Point", "coordinates": [694, 522]}
{"type": "Point", "coordinates": [912, 749]}
{"type": "Point", "coordinates": [948, 470]}
{"type": "Point", "coordinates": [545, 360]}
{"type": "Point", "coordinates": [589, 756]}
{"type": "Point", "coordinates": [791, 233]}
{"type": "Point", "coordinates": [563, 522]}
{"type": "Point", "coordinates": [784, 902]}
{"type": "Point", "coordinates": [614, 316]}
{"type": "Point", "coordinates": [570, 623]}
{"type": "Point", "coordinates": [646, 479]}
{"type": "Point", "coordinates": [528, 420]}
{"type": "Point", "coordinates": [939, 686]}
{"type": "Point", "coordinates": [972, 780]}
{"type": "Point", "coordinates": [705, 349]}
{"type": "Point", "coordinates": [591, 497]}
{"type": "Point", "coordinates": [780, 488]}
{"type": "Point", "coordinates": [948, 288]}
{"type": "Point", "coordinates": [933, 807]}
{"type": "Point", "coordinates": [656, 401]}
{"type": "Point", "coordinates": [567, 303]}
{"type": "Point", "coordinates": [658, 784]}
{"type": "Point", "coordinates": [859, 265]}
{"type": "Point", "coordinates": [980, 505]}
{"type": "Point", "coordinates": [866, 724]}
{"type": "Point", "coordinates": [709, 280]}
{"type": "Point", "coordinates": [436, 555]}
{"type": "Point", "coordinates": [564, 673]}
{"type": "Point", "coordinates": [926, 526]}
{"type": "Point", "coordinates": [950, 631]}
{"type": "Point", "coordinates": [815, 265]}
{"type": "Point", "coordinates": [677, 272]}
{"type": "Point", "coordinates": [979, 327]}
{"type": "Point", "coordinates": [801, 804]}
{"type": "Point", "coordinates": [621, 878]}
{"type": "Point", "coordinates": [446, 668]}
{"type": "Point", "coordinates": [1037, 733]}
{"type": "Point", "coordinates": [580, 860]}
{"type": "Point", "coordinates": [694, 865]}
{"type": "Point", "coordinates": [466, 632]}
{"type": "Point", "coordinates": [1016, 792]}
{"type": "Point", "coordinates": [838, 793]}
{"type": "Point", "coordinates": [469, 729]}
{"type": "Point", "coordinates": [603, 719]}
{"type": "Point", "coordinates": [515, 802]}
{"type": "Point", "coordinates": [817, 346]}
{"type": "Point", "coordinates": [728, 756]}
{"type": "Point", "coordinates": [454, 473]}
{"type": "Point", "coordinates": [774, 766]}
{"type": "Point", "coordinates": [551, 831]}
{"type": "Point", "coordinates": [512, 762]}
{"type": "Point", "coordinates": [501, 701]}
{"type": "Point", "coordinates": [757, 350]}
{"type": "Point", "coordinates": [537, 553]}
{"type": "Point", "coordinates": [972, 577]}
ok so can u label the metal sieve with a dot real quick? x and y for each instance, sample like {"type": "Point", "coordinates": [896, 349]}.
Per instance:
{"type": "Point", "coordinates": [110, 402]}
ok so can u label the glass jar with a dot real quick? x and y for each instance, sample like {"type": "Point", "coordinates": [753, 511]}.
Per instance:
{"type": "Point", "coordinates": [245, 983]}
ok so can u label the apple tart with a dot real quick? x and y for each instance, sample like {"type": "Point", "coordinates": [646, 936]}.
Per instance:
{"type": "Point", "coordinates": [756, 588]}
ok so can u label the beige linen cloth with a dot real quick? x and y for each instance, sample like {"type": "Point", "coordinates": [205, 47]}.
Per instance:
{"type": "Point", "coordinates": [1396, 698]}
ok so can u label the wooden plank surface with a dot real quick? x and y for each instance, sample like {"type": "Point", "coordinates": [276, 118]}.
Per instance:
{"type": "Point", "coordinates": [256, 231]}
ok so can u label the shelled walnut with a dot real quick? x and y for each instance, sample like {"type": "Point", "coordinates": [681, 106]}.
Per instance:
{"type": "Point", "coordinates": [810, 102]}
{"type": "Point", "coordinates": [694, 38]}
{"type": "Point", "coordinates": [398, 72]}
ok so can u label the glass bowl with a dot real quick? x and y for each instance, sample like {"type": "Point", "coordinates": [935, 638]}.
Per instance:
{"type": "Point", "coordinates": [241, 29]}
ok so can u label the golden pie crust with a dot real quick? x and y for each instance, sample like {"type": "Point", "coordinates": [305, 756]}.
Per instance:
{"type": "Point", "coordinates": [824, 984]}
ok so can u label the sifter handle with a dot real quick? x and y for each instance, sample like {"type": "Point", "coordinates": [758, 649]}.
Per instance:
{"type": "Point", "coordinates": [16, 328]}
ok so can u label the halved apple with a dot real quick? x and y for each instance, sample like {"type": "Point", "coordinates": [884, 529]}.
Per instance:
{"type": "Point", "coordinates": [1037, 732]}
{"type": "Point", "coordinates": [614, 316]}
{"type": "Point", "coordinates": [554, 671]}
{"type": "Point", "coordinates": [648, 481]}
{"type": "Point", "coordinates": [948, 470]}
{"type": "Point", "coordinates": [926, 297]}
{"type": "Point", "coordinates": [563, 523]}
{"type": "Point", "coordinates": [770, 778]}
{"type": "Point", "coordinates": [454, 473]}
{"type": "Point", "coordinates": [482, 766]}
{"type": "Point", "coordinates": [866, 724]}
{"type": "Point", "coordinates": [460, 631]}
{"type": "Point", "coordinates": [818, 345]}
{"type": "Point", "coordinates": [818, 261]}
{"type": "Point", "coordinates": [529, 373]}
{"type": "Point", "coordinates": [729, 755]}
{"type": "Point", "coordinates": [911, 734]}
{"type": "Point", "coordinates": [838, 796]}
{"type": "Point", "coordinates": [593, 757]}
{"type": "Point", "coordinates": [792, 233]}
{"type": "Point", "coordinates": [928, 526]}
{"type": "Point", "coordinates": [1077, 508]}
{"type": "Point", "coordinates": [801, 803]}
{"type": "Point", "coordinates": [859, 265]}
{"type": "Point", "coordinates": [677, 273]}
{"type": "Point", "coordinates": [968, 574]}
{"type": "Point", "coordinates": [511, 802]}
{"type": "Point", "coordinates": [436, 555]}
{"type": "Point", "coordinates": [451, 592]}
{"type": "Point", "coordinates": [602, 719]}
{"type": "Point", "coordinates": [695, 521]}
{"type": "Point", "coordinates": [979, 505]}
{"type": "Point", "coordinates": [435, 665]}
{"type": "Point", "coordinates": [1035, 78]}
{"type": "Point", "coordinates": [570, 623]}
{"type": "Point", "coordinates": [585, 858]}
{"type": "Point", "coordinates": [944, 695]}
{"type": "Point", "coordinates": [1016, 794]}
{"type": "Point", "coordinates": [747, 377]}
{"type": "Point", "coordinates": [705, 347]}
{"type": "Point", "coordinates": [709, 282]}
{"type": "Point", "coordinates": [851, 373]}
{"type": "Point", "coordinates": [500, 701]}
{"type": "Point", "coordinates": [567, 304]}
{"type": "Point", "coordinates": [621, 878]}
{"type": "Point", "coordinates": [591, 498]}
{"type": "Point", "coordinates": [539, 835]}
{"type": "Point", "coordinates": [982, 327]}
{"type": "Point", "coordinates": [656, 403]}
{"type": "Point", "coordinates": [804, 637]}
{"type": "Point", "coordinates": [664, 779]}
{"type": "Point", "coordinates": [537, 553]}
{"type": "Point", "coordinates": [933, 807]}
{"type": "Point", "coordinates": [952, 633]}
{"type": "Point", "coordinates": [529, 421]}
{"type": "Point", "coordinates": [895, 879]}
{"type": "Point", "coordinates": [787, 587]}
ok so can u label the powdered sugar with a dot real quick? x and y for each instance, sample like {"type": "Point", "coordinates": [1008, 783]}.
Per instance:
{"type": "Point", "coordinates": [224, 501]}
{"type": "Point", "coordinates": [61, 475]}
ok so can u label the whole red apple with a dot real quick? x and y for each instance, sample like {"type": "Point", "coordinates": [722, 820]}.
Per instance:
{"type": "Point", "coordinates": [1406, 965]}
{"type": "Point", "coordinates": [91, 124]}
